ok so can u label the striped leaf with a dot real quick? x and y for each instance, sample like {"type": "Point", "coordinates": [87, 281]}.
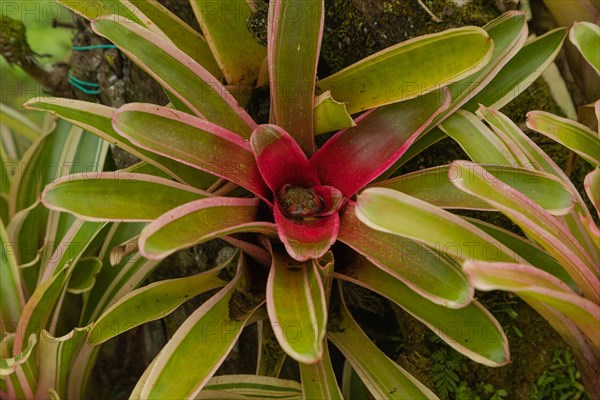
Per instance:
{"type": "Point", "coordinates": [533, 157]}
{"type": "Point", "coordinates": [56, 355]}
{"type": "Point", "coordinates": [153, 301]}
{"type": "Point", "coordinates": [270, 355]}
{"type": "Point", "coordinates": [223, 23]}
{"type": "Point", "coordinates": [255, 386]}
{"type": "Point", "coordinates": [586, 37]}
{"type": "Point", "coordinates": [479, 142]}
{"type": "Point", "coordinates": [8, 365]}
{"type": "Point", "coordinates": [410, 69]}
{"type": "Point", "coordinates": [297, 307]}
{"type": "Point", "coordinates": [198, 222]}
{"type": "Point", "coordinates": [435, 186]}
{"type": "Point", "coordinates": [197, 349]}
{"type": "Point", "coordinates": [191, 141]}
{"type": "Point", "coordinates": [12, 298]}
{"type": "Point", "coordinates": [422, 269]}
{"type": "Point", "coordinates": [154, 16]}
{"type": "Point", "coordinates": [383, 377]}
{"type": "Point", "coordinates": [394, 212]}
{"type": "Point", "coordinates": [527, 250]}
{"type": "Point", "coordinates": [318, 379]}
{"type": "Point", "coordinates": [295, 30]}
{"type": "Point", "coordinates": [531, 283]}
{"type": "Point", "coordinates": [19, 123]}
{"type": "Point", "coordinates": [592, 188]}
{"type": "Point", "coordinates": [552, 235]}
{"type": "Point", "coordinates": [177, 72]}
{"type": "Point", "coordinates": [39, 308]}
{"type": "Point", "coordinates": [97, 119]}
{"type": "Point", "coordinates": [108, 196]}
{"type": "Point", "coordinates": [573, 135]}
{"type": "Point", "coordinates": [520, 72]}
{"type": "Point", "coordinates": [470, 330]}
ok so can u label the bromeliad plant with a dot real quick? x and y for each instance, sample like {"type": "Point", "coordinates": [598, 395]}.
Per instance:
{"type": "Point", "coordinates": [209, 171]}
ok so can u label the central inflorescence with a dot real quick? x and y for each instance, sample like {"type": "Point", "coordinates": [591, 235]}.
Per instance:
{"type": "Point", "coordinates": [299, 202]}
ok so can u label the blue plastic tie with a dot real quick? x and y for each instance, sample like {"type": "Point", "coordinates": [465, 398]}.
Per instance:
{"type": "Point", "coordinates": [80, 84]}
{"type": "Point", "coordinates": [84, 83]}
{"type": "Point", "coordinates": [83, 89]}
{"type": "Point", "coordinates": [94, 47]}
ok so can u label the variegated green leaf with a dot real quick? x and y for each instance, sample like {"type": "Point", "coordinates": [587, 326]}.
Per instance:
{"type": "Point", "coordinates": [108, 196]}
{"type": "Point", "coordinates": [8, 365]}
{"type": "Point", "coordinates": [112, 283]}
{"type": "Point", "coordinates": [531, 156]}
{"type": "Point", "coordinates": [27, 228]}
{"type": "Point", "coordinates": [586, 37]}
{"type": "Point", "coordinates": [527, 251]}
{"type": "Point", "coordinates": [180, 33]}
{"type": "Point", "coordinates": [82, 152]}
{"type": "Point", "coordinates": [40, 306]}
{"type": "Point", "coordinates": [93, 9]}
{"type": "Point", "coordinates": [153, 302]}
{"type": "Point", "coordinates": [394, 212]}
{"type": "Point", "coordinates": [178, 73]}
{"type": "Point", "coordinates": [531, 283]}
{"type": "Point", "coordinates": [192, 141]}
{"type": "Point", "coordinates": [97, 119]}
{"type": "Point", "coordinates": [297, 307]}
{"type": "Point", "coordinates": [84, 275]}
{"type": "Point", "coordinates": [520, 72]}
{"type": "Point", "coordinates": [295, 30]}
{"type": "Point", "coordinates": [424, 270]}
{"type": "Point", "coordinates": [56, 355]}
{"type": "Point", "coordinates": [270, 355]}
{"type": "Point", "coordinates": [43, 162]}
{"type": "Point", "coordinates": [223, 23]}
{"type": "Point", "coordinates": [352, 386]}
{"type": "Point", "coordinates": [115, 281]}
{"type": "Point", "coordinates": [200, 221]}
{"type": "Point", "coordinates": [434, 185]}
{"type": "Point", "coordinates": [410, 69]}
{"type": "Point", "coordinates": [509, 33]}
{"type": "Point", "coordinates": [12, 298]}
{"type": "Point", "coordinates": [330, 115]}
{"type": "Point", "coordinates": [255, 386]}
{"type": "Point", "coordinates": [384, 378]}
{"type": "Point", "coordinates": [154, 16]}
{"type": "Point", "coordinates": [199, 346]}
{"type": "Point", "coordinates": [548, 231]}
{"type": "Point", "coordinates": [476, 139]}
{"type": "Point", "coordinates": [592, 188]}
{"type": "Point", "coordinates": [318, 379]}
{"type": "Point", "coordinates": [573, 135]}
{"type": "Point", "coordinates": [471, 330]}
{"type": "Point", "coordinates": [17, 122]}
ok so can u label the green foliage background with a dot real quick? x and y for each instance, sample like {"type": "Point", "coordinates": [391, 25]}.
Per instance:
{"type": "Point", "coordinates": [38, 15]}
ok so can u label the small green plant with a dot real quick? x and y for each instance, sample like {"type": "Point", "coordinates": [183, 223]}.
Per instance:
{"type": "Point", "coordinates": [482, 391]}
{"type": "Point", "coordinates": [506, 308]}
{"type": "Point", "coordinates": [449, 372]}
{"type": "Point", "coordinates": [446, 371]}
{"type": "Point", "coordinates": [560, 381]}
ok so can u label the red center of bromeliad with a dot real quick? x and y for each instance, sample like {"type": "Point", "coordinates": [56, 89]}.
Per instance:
{"type": "Point", "coordinates": [298, 202]}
